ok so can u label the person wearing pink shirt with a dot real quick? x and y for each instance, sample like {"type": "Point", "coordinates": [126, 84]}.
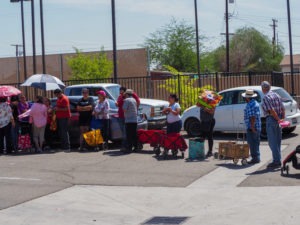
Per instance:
{"type": "Point", "coordinates": [38, 117]}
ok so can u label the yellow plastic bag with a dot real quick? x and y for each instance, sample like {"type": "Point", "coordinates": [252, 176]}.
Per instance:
{"type": "Point", "coordinates": [93, 138]}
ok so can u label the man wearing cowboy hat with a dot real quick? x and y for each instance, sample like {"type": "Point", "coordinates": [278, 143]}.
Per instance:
{"type": "Point", "coordinates": [253, 124]}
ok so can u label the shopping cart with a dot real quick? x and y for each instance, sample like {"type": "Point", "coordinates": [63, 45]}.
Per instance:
{"type": "Point", "coordinates": [151, 137]}
{"type": "Point", "coordinates": [174, 142]}
{"type": "Point", "coordinates": [234, 150]}
{"type": "Point", "coordinates": [94, 139]}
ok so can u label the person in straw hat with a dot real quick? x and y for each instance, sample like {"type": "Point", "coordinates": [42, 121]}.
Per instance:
{"type": "Point", "coordinates": [253, 124]}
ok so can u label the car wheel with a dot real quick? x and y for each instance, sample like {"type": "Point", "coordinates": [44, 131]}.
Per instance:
{"type": "Point", "coordinates": [288, 130]}
{"type": "Point", "coordinates": [192, 127]}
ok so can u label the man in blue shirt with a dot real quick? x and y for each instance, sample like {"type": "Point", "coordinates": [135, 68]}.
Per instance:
{"type": "Point", "coordinates": [253, 124]}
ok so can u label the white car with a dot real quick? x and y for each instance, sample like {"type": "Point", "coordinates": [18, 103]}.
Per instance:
{"type": "Point", "coordinates": [152, 108]}
{"type": "Point", "coordinates": [229, 113]}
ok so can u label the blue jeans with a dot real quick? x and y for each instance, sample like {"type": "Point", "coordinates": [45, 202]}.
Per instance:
{"type": "Point", "coordinates": [274, 138]}
{"type": "Point", "coordinates": [174, 127]}
{"type": "Point", "coordinates": [253, 140]}
{"type": "Point", "coordinates": [63, 131]}
{"type": "Point", "coordinates": [122, 127]}
{"type": "Point", "coordinates": [15, 135]}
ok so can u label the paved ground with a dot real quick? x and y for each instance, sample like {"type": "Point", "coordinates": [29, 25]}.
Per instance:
{"type": "Point", "coordinates": [130, 189]}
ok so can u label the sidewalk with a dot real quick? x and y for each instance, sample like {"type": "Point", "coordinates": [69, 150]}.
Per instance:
{"type": "Point", "coordinates": [214, 199]}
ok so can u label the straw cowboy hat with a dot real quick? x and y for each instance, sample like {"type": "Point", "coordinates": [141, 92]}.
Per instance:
{"type": "Point", "coordinates": [129, 92]}
{"type": "Point", "coordinates": [249, 94]}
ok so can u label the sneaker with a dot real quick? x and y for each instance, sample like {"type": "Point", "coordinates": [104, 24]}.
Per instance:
{"type": "Point", "coordinates": [209, 154]}
{"type": "Point", "coordinates": [39, 150]}
{"type": "Point", "coordinates": [274, 165]}
{"type": "Point", "coordinates": [253, 161]}
{"type": "Point", "coordinates": [67, 150]}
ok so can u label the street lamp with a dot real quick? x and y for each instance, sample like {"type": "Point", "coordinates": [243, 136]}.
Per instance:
{"type": "Point", "coordinates": [17, 60]}
{"type": "Point", "coordinates": [227, 36]}
{"type": "Point", "coordinates": [42, 36]}
{"type": "Point", "coordinates": [197, 41]}
{"type": "Point", "coordinates": [23, 34]}
{"type": "Point", "coordinates": [33, 37]}
{"type": "Point", "coordinates": [291, 46]}
{"type": "Point", "coordinates": [113, 15]}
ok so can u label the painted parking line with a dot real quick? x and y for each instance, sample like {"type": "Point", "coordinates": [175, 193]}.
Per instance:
{"type": "Point", "coordinates": [19, 178]}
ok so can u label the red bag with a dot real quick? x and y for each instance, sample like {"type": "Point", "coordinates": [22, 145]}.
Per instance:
{"type": "Point", "coordinates": [24, 142]}
{"type": "Point", "coordinates": [151, 137]}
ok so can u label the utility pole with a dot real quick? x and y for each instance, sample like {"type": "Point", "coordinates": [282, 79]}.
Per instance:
{"type": "Point", "coordinates": [42, 36]}
{"type": "Point", "coordinates": [17, 60]}
{"type": "Point", "coordinates": [291, 46]}
{"type": "Point", "coordinates": [113, 15]}
{"type": "Point", "coordinates": [274, 26]}
{"type": "Point", "coordinates": [23, 40]}
{"type": "Point", "coordinates": [197, 42]}
{"type": "Point", "coordinates": [227, 36]}
{"type": "Point", "coordinates": [33, 37]}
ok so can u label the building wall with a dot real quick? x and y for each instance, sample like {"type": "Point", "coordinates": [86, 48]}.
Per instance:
{"type": "Point", "coordinates": [287, 69]}
{"type": "Point", "coordinates": [131, 63]}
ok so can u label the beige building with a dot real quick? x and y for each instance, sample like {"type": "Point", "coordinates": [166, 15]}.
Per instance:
{"type": "Point", "coordinates": [131, 63]}
{"type": "Point", "coordinates": [285, 63]}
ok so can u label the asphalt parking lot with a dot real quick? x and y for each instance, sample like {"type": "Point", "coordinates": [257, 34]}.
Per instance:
{"type": "Point", "coordinates": [26, 177]}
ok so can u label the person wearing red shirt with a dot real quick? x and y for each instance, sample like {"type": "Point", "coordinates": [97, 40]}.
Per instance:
{"type": "Point", "coordinates": [119, 103]}
{"type": "Point", "coordinates": [63, 114]}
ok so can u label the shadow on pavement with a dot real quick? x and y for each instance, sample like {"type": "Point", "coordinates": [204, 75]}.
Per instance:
{"type": "Point", "coordinates": [232, 166]}
{"type": "Point", "coordinates": [292, 176]}
{"type": "Point", "coordinates": [264, 171]}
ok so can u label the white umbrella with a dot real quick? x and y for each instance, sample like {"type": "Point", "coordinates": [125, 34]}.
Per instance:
{"type": "Point", "coordinates": [44, 81]}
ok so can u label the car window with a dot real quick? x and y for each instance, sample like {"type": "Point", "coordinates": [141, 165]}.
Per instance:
{"type": "Point", "coordinates": [283, 94]}
{"type": "Point", "coordinates": [241, 100]}
{"type": "Point", "coordinates": [114, 91]}
{"type": "Point", "coordinates": [76, 91]}
{"type": "Point", "coordinates": [112, 104]}
{"type": "Point", "coordinates": [93, 91]}
{"type": "Point", "coordinates": [227, 99]}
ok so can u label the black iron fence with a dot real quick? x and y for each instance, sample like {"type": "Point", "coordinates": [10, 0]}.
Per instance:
{"type": "Point", "coordinates": [187, 86]}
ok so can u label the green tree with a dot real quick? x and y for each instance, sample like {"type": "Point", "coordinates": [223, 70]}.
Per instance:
{"type": "Point", "coordinates": [90, 66]}
{"type": "Point", "coordinates": [249, 50]}
{"type": "Point", "coordinates": [174, 45]}
{"type": "Point", "coordinates": [184, 86]}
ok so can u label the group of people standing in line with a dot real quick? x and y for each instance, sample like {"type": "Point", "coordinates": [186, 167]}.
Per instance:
{"type": "Point", "coordinates": [40, 113]}
{"type": "Point", "coordinates": [95, 115]}
{"type": "Point", "coordinates": [273, 110]}
{"type": "Point", "coordinates": [16, 114]}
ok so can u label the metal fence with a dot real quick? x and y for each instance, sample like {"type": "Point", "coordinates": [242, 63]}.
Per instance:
{"type": "Point", "coordinates": [187, 86]}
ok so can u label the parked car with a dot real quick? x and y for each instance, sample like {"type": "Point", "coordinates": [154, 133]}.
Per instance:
{"type": "Point", "coordinates": [229, 113]}
{"type": "Point", "coordinates": [150, 107]}
{"type": "Point", "coordinates": [115, 133]}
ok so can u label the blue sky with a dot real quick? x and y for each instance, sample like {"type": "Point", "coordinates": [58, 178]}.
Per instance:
{"type": "Point", "coordinates": [86, 24]}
